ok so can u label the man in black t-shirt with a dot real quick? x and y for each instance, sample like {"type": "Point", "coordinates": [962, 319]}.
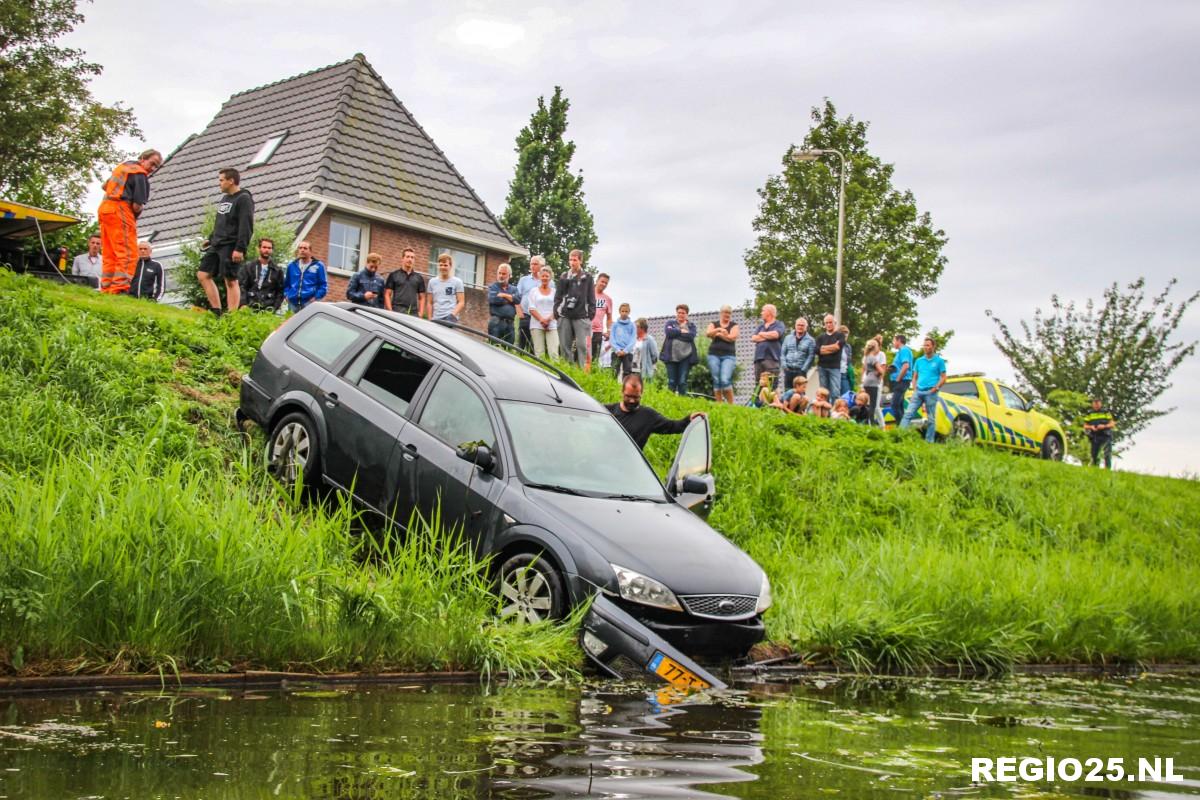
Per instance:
{"type": "Point", "coordinates": [405, 289]}
{"type": "Point", "coordinates": [641, 421]}
{"type": "Point", "coordinates": [829, 356]}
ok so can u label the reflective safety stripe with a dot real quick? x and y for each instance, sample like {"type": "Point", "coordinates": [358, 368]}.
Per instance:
{"type": "Point", "coordinates": [114, 187]}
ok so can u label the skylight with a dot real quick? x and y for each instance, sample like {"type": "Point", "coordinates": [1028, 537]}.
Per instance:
{"type": "Point", "coordinates": [267, 150]}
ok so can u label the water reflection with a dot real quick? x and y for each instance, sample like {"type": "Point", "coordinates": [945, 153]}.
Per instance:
{"type": "Point", "coordinates": [824, 736]}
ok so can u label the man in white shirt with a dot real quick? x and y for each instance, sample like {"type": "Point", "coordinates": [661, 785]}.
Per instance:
{"type": "Point", "coordinates": [446, 292]}
{"type": "Point", "coordinates": [88, 264]}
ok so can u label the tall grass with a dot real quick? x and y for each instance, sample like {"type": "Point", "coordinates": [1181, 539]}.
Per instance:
{"type": "Point", "coordinates": [885, 552]}
{"type": "Point", "coordinates": [139, 533]}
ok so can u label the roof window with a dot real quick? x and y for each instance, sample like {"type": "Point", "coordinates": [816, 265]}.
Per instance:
{"type": "Point", "coordinates": [268, 149]}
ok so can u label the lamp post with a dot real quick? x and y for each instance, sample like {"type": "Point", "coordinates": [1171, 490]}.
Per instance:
{"type": "Point", "coordinates": [813, 155]}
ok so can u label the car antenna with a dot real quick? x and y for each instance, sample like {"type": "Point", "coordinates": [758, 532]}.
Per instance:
{"type": "Point", "coordinates": [554, 391]}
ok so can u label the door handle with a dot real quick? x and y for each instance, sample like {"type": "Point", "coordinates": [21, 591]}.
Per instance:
{"type": "Point", "coordinates": [331, 399]}
{"type": "Point", "coordinates": [410, 452]}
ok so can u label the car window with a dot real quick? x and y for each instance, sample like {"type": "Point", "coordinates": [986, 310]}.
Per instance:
{"type": "Point", "coordinates": [455, 414]}
{"type": "Point", "coordinates": [584, 451]}
{"type": "Point", "coordinates": [1012, 399]}
{"type": "Point", "coordinates": [693, 452]}
{"type": "Point", "coordinates": [390, 374]}
{"type": "Point", "coordinates": [991, 390]}
{"type": "Point", "coordinates": [324, 339]}
{"type": "Point", "coordinates": [961, 388]}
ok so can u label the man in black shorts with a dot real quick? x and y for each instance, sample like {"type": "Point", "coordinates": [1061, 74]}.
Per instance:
{"type": "Point", "coordinates": [405, 290]}
{"type": "Point", "coordinates": [226, 249]}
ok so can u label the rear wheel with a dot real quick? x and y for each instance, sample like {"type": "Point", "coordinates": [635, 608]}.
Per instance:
{"type": "Point", "coordinates": [531, 590]}
{"type": "Point", "coordinates": [964, 430]}
{"type": "Point", "coordinates": [293, 451]}
{"type": "Point", "coordinates": [1052, 448]}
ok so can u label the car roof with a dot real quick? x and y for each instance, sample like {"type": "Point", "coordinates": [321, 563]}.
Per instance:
{"type": "Point", "coordinates": [507, 375]}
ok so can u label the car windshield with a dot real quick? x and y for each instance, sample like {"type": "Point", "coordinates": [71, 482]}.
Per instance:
{"type": "Point", "coordinates": [579, 452]}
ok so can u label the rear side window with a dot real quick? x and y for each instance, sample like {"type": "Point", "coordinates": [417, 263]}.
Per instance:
{"type": "Point", "coordinates": [961, 388]}
{"type": "Point", "coordinates": [323, 339]}
{"type": "Point", "coordinates": [393, 377]}
{"type": "Point", "coordinates": [456, 415]}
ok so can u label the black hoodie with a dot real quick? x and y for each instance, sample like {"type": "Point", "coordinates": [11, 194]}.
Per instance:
{"type": "Point", "coordinates": [235, 221]}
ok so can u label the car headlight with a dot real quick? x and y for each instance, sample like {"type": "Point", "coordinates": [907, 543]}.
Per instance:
{"type": "Point", "coordinates": [764, 596]}
{"type": "Point", "coordinates": [637, 588]}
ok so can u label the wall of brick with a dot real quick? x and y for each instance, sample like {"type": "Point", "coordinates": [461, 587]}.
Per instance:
{"type": "Point", "coordinates": [390, 241]}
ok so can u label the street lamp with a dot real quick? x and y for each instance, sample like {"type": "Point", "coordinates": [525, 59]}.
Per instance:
{"type": "Point", "coordinates": [813, 155]}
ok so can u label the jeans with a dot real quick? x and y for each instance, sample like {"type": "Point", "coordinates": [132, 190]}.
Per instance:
{"type": "Point", "coordinates": [677, 376]}
{"type": "Point", "coordinates": [722, 368]}
{"type": "Point", "coordinates": [899, 389]}
{"type": "Point", "coordinates": [927, 398]}
{"type": "Point", "coordinates": [575, 336]}
{"type": "Point", "coordinates": [622, 365]}
{"type": "Point", "coordinates": [1102, 446]}
{"type": "Point", "coordinates": [831, 379]}
{"type": "Point", "coordinates": [296, 306]}
{"type": "Point", "coordinates": [873, 393]}
{"type": "Point", "coordinates": [501, 328]}
{"type": "Point", "coordinates": [845, 387]}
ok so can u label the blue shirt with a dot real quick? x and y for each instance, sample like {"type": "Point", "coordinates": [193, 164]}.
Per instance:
{"type": "Point", "coordinates": [929, 371]}
{"type": "Point", "coordinates": [903, 356]}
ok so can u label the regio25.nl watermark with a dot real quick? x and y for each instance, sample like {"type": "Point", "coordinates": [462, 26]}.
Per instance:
{"type": "Point", "coordinates": [1010, 769]}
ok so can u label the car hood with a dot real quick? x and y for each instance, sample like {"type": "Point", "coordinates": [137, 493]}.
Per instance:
{"type": "Point", "coordinates": [663, 541]}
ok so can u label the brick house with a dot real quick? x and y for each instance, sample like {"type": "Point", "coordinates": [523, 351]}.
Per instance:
{"type": "Point", "coordinates": [335, 154]}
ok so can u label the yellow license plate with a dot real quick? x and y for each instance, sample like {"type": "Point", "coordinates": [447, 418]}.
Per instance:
{"type": "Point", "coordinates": [675, 673]}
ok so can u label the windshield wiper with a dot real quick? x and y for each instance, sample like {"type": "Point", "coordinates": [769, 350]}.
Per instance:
{"type": "Point", "coordinates": [635, 497]}
{"type": "Point", "coordinates": [553, 487]}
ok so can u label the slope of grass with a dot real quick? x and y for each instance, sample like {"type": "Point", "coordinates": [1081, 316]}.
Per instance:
{"type": "Point", "coordinates": [139, 533]}
{"type": "Point", "coordinates": [886, 552]}
{"type": "Point", "coordinates": [136, 531]}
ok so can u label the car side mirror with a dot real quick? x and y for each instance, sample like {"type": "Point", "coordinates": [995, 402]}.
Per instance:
{"type": "Point", "coordinates": [694, 484]}
{"type": "Point", "coordinates": [478, 454]}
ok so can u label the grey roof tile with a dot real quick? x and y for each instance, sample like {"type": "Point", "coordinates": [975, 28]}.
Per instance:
{"type": "Point", "coordinates": [348, 137]}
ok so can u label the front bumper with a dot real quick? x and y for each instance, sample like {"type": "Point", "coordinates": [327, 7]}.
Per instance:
{"type": "Point", "coordinates": [702, 638]}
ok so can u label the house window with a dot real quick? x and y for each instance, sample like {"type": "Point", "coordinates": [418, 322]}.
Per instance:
{"type": "Point", "coordinates": [267, 150]}
{"type": "Point", "coordinates": [467, 265]}
{"type": "Point", "coordinates": [347, 241]}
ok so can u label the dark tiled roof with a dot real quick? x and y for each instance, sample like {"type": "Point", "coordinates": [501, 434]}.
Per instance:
{"type": "Point", "coordinates": [348, 138]}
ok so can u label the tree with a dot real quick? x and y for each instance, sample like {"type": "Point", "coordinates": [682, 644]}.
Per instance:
{"type": "Point", "coordinates": [892, 253]}
{"type": "Point", "coordinates": [545, 210]}
{"type": "Point", "coordinates": [1120, 352]}
{"type": "Point", "coordinates": [55, 138]}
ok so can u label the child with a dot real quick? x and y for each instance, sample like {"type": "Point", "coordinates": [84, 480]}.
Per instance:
{"type": "Point", "coordinates": [861, 413]}
{"type": "Point", "coordinates": [794, 400]}
{"type": "Point", "coordinates": [820, 407]}
{"type": "Point", "coordinates": [766, 394]}
{"type": "Point", "coordinates": [622, 336]}
{"type": "Point", "coordinates": [840, 409]}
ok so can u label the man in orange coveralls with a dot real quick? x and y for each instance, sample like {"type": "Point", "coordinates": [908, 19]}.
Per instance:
{"type": "Point", "coordinates": [125, 195]}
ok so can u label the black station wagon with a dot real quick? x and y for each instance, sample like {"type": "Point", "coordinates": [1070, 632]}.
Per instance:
{"type": "Point", "coordinates": [408, 414]}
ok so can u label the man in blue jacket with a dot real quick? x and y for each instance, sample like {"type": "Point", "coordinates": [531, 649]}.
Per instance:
{"type": "Point", "coordinates": [305, 281]}
{"type": "Point", "coordinates": [502, 305]}
{"type": "Point", "coordinates": [366, 287]}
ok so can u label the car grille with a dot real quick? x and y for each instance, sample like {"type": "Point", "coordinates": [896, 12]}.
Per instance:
{"type": "Point", "coordinates": [720, 606]}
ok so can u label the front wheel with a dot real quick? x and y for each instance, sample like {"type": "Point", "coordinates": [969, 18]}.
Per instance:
{"type": "Point", "coordinates": [531, 590]}
{"type": "Point", "coordinates": [964, 430]}
{"type": "Point", "coordinates": [1052, 448]}
{"type": "Point", "coordinates": [293, 451]}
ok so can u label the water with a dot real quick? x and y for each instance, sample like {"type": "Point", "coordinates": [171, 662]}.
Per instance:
{"type": "Point", "coordinates": [824, 737]}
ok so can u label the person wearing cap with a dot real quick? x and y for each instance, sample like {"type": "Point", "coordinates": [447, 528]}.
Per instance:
{"type": "Point", "coordinates": [1098, 425]}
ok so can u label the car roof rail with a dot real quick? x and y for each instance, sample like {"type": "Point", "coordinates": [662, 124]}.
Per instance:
{"type": "Point", "coordinates": [399, 320]}
{"type": "Point", "coordinates": [517, 351]}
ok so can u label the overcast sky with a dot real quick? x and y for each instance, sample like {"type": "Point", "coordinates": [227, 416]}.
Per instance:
{"type": "Point", "coordinates": [1055, 143]}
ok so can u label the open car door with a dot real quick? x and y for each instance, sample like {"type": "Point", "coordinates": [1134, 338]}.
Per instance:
{"type": "Point", "coordinates": [690, 479]}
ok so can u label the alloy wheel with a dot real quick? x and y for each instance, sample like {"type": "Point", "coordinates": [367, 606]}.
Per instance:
{"type": "Point", "coordinates": [290, 451]}
{"type": "Point", "coordinates": [527, 595]}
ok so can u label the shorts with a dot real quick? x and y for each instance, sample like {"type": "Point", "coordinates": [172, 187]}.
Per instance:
{"type": "Point", "coordinates": [218, 262]}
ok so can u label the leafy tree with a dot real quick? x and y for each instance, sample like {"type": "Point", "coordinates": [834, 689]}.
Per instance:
{"type": "Point", "coordinates": [269, 225]}
{"type": "Point", "coordinates": [1120, 351]}
{"type": "Point", "coordinates": [892, 253]}
{"type": "Point", "coordinates": [55, 138]}
{"type": "Point", "coordinates": [545, 209]}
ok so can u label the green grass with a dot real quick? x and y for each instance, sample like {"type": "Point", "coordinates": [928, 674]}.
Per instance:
{"type": "Point", "coordinates": [888, 553]}
{"type": "Point", "coordinates": [138, 533]}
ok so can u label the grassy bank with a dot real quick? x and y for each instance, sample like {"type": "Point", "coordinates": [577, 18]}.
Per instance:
{"type": "Point", "coordinates": [139, 533]}
{"type": "Point", "coordinates": [886, 552]}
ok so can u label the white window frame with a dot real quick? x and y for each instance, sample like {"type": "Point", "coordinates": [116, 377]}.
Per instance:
{"type": "Point", "coordinates": [364, 243]}
{"type": "Point", "coordinates": [267, 151]}
{"type": "Point", "coordinates": [480, 261]}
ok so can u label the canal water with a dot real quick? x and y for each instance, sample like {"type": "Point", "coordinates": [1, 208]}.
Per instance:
{"type": "Point", "coordinates": [821, 737]}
